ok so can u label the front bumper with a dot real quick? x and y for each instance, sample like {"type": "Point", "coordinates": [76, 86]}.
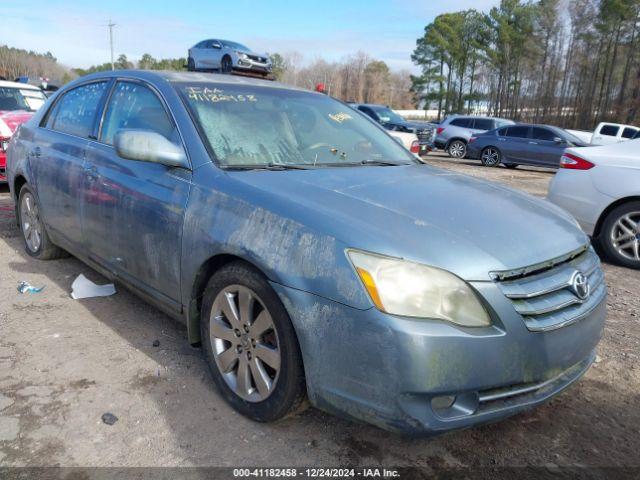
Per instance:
{"type": "Point", "coordinates": [386, 370]}
{"type": "Point", "coordinates": [251, 65]}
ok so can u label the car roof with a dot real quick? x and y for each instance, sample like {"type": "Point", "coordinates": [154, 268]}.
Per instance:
{"type": "Point", "coordinates": [5, 83]}
{"type": "Point", "coordinates": [370, 105]}
{"type": "Point", "coordinates": [179, 77]}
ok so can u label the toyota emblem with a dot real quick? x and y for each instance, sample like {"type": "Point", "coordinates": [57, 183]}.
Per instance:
{"type": "Point", "coordinates": [580, 285]}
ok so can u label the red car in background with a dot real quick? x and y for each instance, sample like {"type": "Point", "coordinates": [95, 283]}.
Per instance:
{"type": "Point", "coordinates": [18, 102]}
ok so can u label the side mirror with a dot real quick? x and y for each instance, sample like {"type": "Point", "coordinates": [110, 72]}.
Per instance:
{"type": "Point", "coordinates": [149, 146]}
{"type": "Point", "coordinates": [558, 140]}
{"type": "Point", "coordinates": [217, 46]}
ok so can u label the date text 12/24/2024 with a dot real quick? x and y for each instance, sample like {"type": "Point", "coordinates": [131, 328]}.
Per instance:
{"type": "Point", "coordinates": [315, 472]}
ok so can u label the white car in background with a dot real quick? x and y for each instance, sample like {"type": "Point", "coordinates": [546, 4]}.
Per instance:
{"type": "Point", "coordinates": [607, 133]}
{"type": "Point", "coordinates": [408, 140]}
{"type": "Point", "coordinates": [600, 187]}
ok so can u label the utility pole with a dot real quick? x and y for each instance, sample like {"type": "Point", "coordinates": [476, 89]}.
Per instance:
{"type": "Point", "coordinates": [111, 25]}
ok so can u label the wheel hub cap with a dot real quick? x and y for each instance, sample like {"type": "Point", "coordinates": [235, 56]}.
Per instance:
{"type": "Point", "coordinates": [625, 236]}
{"type": "Point", "coordinates": [245, 344]}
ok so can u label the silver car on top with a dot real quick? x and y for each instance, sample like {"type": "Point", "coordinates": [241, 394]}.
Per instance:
{"type": "Point", "coordinates": [227, 56]}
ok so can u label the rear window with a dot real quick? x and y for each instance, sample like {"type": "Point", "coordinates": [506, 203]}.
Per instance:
{"type": "Point", "coordinates": [462, 122]}
{"type": "Point", "coordinates": [518, 132]}
{"type": "Point", "coordinates": [609, 130]}
{"type": "Point", "coordinates": [483, 124]}
{"type": "Point", "coordinates": [629, 132]}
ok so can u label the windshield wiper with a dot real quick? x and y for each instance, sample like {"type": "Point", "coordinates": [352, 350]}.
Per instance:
{"type": "Point", "coordinates": [384, 163]}
{"type": "Point", "coordinates": [267, 166]}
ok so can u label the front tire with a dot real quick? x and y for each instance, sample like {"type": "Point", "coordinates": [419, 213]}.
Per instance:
{"type": "Point", "coordinates": [250, 345]}
{"type": "Point", "coordinates": [37, 243]}
{"type": "Point", "coordinates": [457, 149]}
{"type": "Point", "coordinates": [490, 157]}
{"type": "Point", "coordinates": [619, 238]}
{"type": "Point", "coordinates": [226, 65]}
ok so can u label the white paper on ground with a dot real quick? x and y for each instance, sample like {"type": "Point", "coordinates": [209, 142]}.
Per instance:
{"type": "Point", "coordinates": [82, 287]}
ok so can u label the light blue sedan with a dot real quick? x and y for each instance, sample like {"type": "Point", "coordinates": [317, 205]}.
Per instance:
{"type": "Point", "coordinates": [307, 252]}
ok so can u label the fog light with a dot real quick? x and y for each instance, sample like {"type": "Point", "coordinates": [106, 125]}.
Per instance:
{"type": "Point", "coordinates": [443, 402]}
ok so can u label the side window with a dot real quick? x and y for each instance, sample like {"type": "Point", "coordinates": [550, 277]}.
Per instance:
{"type": "Point", "coordinates": [135, 106]}
{"type": "Point", "coordinates": [629, 132]}
{"type": "Point", "coordinates": [518, 132]}
{"type": "Point", "coordinates": [502, 132]}
{"type": "Point", "coordinates": [462, 122]}
{"type": "Point", "coordinates": [368, 112]}
{"type": "Point", "coordinates": [543, 134]}
{"type": "Point", "coordinates": [75, 112]}
{"type": "Point", "coordinates": [483, 124]}
{"type": "Point", "coordinates": [610, 130]}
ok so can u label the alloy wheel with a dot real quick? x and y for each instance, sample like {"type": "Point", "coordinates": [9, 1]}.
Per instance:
{"type": "Point", "coordinates": [625, 236]}
{"type": "Point", "coordinates": [457, 149]}
{"type": "Point", "coordinates": [490, 157]}
{"type": "Point", "coordinates": [245, 343]}
{"type": "Point", "coordinates": [30, 221]}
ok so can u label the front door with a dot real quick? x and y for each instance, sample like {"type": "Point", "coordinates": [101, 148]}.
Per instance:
{"type": "Point", "coordinates": [547, 151]}
{"type": "Point", "coordinates": [133, 210]}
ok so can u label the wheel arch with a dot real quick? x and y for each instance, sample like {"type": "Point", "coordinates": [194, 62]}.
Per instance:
{"type": "Point", "coordinates": [453, 139]}
{"type": "Point", "coordinates": [609, 209]}
{"type": "Point", "coordinates": [206, 270]}
{"type": "Point", "coordinates": [18, 182]}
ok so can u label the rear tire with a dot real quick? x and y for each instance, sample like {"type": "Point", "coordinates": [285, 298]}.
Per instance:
{"type": "Point", "coordinates": [457, 149]}
{"type": "Point", "coordinates": [250, 345]}
{"type": "Point", "coordinates": [490, 157]}
{"type": "Point", "coordinates": [618, 239]}
{"type": "Point", "coordinates": [37, 243]}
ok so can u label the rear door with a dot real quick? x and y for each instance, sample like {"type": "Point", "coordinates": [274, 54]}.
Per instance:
{"type": "Point", "coordinates": [133, 210]}
{"type": "Point", "coordinates": [515, 144]}
{"type": "Point", "coordinates": [61, 144]}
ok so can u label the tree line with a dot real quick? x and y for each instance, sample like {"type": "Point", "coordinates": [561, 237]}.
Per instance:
{"type": "Point", "coordinates": [572, 63]}
{"type": "Point", "coordinates": [356, 78]}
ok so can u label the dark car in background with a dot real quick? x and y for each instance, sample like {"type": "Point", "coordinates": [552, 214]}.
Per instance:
{"type": "Point", "coordinates": [390, 120]}
{"type": "Point", "coordinates": [522, 144]}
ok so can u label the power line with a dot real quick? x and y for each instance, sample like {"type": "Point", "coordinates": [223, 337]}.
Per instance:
{"type": "Point", "coordinates": [111, 25]}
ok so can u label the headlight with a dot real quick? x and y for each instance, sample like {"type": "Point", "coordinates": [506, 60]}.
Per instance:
{"type": "Point", "coordinates": [242, 55]}
{"type": "Point", "coordinates": [410, 289]}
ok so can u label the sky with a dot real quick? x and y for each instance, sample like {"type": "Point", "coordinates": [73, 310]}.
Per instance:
{"type": "Point", "coordinates": [75, 31]}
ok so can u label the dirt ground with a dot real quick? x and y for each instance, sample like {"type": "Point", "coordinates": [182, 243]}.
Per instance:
{"type": "Point", "coordinates": [64, 363]}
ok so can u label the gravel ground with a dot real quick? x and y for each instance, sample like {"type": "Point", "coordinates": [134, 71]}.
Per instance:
{"type": "Point", "coordinates": [64, 363]}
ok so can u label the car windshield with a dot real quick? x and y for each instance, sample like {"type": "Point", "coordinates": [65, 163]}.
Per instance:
{"type": "Point", "coordinates": [387, 115]}
{"type": "Point", "coordinates": [260, 126]}
{"type": "Point", "coordinates": [12, 98]}
{"type": "Point", "coordinates": [235, 46]}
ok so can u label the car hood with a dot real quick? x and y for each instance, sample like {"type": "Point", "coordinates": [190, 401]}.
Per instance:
{"type": "Point", "coordinates": [451, 221]}
{"type": "Point", "coordinates": [10, 120]}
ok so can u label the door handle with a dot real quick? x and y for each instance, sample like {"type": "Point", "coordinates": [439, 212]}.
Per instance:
{"type": "Point", "coordinates": [501, 140]}
{"type": "Point", "coordinates": [533, 143]}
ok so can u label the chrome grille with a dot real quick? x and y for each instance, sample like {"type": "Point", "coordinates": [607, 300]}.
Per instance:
{"type": "Point", "coordinates": [546, 299]}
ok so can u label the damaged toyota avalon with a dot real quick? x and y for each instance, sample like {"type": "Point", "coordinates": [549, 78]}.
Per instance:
{"type": "Point", "coordinates": [307, 252]}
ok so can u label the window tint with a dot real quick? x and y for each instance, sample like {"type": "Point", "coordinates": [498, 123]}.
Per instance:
{"type": "Point", "coordinates": [502, 132]}
{"type": "Point", "coordinates": [483, 124]}
{"type": "Point", "coordinates": [76, 111]}
{"type": "Point", "coordinates": [519, 132]}
{"type": "Point", "coordinates": [133, 105]}
{"type": "Point", "coordinates": [610, 130]}
{"type": "Point", "coordinates": [369, 112]}
{"type": "Point", "coordinates": [629, 132]}
{"type": "Point", "coordinates": [543, 134]}
{"type": "Point", "coordinates": [462, 122]}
